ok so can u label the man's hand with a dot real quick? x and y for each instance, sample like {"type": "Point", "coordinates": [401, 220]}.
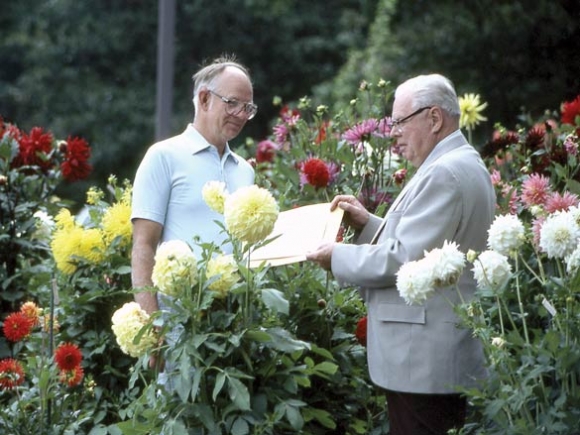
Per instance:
{"type": "Point", "coordinates": [322, 255]}
{"type": "Point", "coordinates": [355, 214]}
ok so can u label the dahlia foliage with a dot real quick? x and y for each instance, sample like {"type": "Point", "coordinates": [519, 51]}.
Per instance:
{"type": "Point", "coordinates": [37, 373]}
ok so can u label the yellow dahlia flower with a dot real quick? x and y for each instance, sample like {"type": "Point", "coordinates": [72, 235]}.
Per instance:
{"type": "Point", "coordinates": [250, 214]}
{"type": "Point", "coordinates": [175, 268]}
{"type": "Point", "coordinates": [214, 194]}
{"type": "Point", "coordinates": [226, 270]}
{"type": "Point", "coordinates": [127, 323]}
{"type": "Point", "coordinates": [70, 242]}
{"type": "Point", "coordinates": [91, 246]}
{"type": "Point", "coordinates": [65, 243]}
{"type": "Point", "coordinates": [471, 109]}
{"type": "Point", "coordinates": [117, 222]}
{"type": "Point", "coordinates": [64, 219]}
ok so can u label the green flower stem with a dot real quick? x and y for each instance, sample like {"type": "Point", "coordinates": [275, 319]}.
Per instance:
{"type": "Point", "coordinates": [541, 277]}
{"type": "Point", "coordinates": [520, 303]}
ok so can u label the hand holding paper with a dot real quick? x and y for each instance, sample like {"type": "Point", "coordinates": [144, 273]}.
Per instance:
{"type": "Point", "coordinates": [299, 231]}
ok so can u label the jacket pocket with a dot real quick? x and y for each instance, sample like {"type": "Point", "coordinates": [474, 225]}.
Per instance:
{"type": "Point", "coordinates": [401, 313]}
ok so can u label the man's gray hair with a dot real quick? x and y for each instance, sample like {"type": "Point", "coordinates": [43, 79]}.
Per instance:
{"type": "Point", "coordinates": [432, 90]}
{"type": "Point", "coordinates": [207, 76]}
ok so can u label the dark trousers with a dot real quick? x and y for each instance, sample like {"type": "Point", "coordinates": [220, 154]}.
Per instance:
{"type": "Point", "coordinates": [425, 414]}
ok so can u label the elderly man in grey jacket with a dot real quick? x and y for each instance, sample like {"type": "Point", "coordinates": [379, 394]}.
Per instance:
{"type": "Point", "coordinates": [416, 352]}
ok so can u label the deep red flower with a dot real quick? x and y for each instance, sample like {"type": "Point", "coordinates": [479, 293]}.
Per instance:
{"type": "Point", "coordinates": [315, 172]}
{"type": "Point", "coordinates": [322, 133]}
{"type": "Point", "coordinates": [17, 326]}
{"type": "Point", "coordinates": [500, 142]}
{"type": "Point", "coordinates": [67, 356]}
{"type": "Point", "coordinates": [76, 166]}
{"type": "Point", "coordinates": [265, 151]}
{"type": "Point", "coordinates": [72, 377]}
{"type": "Point", "coordinates": [11, 374]}
{"type": "Point", "coordinates": [34, 149]}
{"type": "Point", "coordinates": [570, 110]}
{"type": "Point", "coordinates": [361, 331]}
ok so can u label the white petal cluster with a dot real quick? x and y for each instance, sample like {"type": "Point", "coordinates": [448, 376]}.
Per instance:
{"type": "Point", "coordinates": [440, 267]}
{"type": "Point", "coordinates": [175, 268]}
{"type": "Point", "coordinates": [250, 214]}
{"type": "Point", "coordinates": [224, 271]}
{"type": "Point", "coordinates": [559, 234]}
{"type": "Point", "coordinates": [214, 194]}
{"type": "Point", "coordinates": [414, 282]}
{"type": "Point", "coordinates": [506, 234]}
{"type": "Point", "coordinates": [127, 323]}
{"type": "Point", "coordinates": [447, 264]}
{"type": "Point", "coordinates": [491, 270]}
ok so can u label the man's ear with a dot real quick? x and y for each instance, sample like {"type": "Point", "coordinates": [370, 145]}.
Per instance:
{"type": "Point", "coordinates": [436, 119]}
{"type": "Point", "coordinates": [204, 96]}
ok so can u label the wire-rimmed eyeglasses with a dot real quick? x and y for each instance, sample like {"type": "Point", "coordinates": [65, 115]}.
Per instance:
{"type": "Point", "coordinates": [235, 107]}
{"type": "Point", "coordinates": [396, 124]}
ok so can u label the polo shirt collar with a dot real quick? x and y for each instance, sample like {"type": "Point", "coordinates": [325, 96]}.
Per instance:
{"type": "Point", "coordinates": [198, 143]}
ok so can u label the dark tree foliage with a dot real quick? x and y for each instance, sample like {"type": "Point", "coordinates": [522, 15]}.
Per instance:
{"type": "Point", "coordinates": [519, 55]}
{"type": "Point", "coordinates": [89, 68]}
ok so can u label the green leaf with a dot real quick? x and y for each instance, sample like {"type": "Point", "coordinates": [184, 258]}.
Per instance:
{"type": "Point", "coordinates": [281, 340]}
{"type": "Point", "coordinates": [275, 300]}
{"type": "Point", "coordinates": [326, 367]}
{"type": "Point", "coordinates": [240, 427]}
{"type": "Point", "coordinates": [239, 394]}
{"type": "Point", "coordinates": [219, 383]}
{"type": "Point", "coordinates": [320, 415]}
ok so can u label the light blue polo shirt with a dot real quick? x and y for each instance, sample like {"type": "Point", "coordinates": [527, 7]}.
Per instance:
{"type": "Point", "coordinates": [169, 181]}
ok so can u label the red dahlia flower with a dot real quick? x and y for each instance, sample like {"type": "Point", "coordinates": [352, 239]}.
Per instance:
{"type": "Point", "coordinates": [68, 356]}
{"type": "Point", "coordinates": [76, 166]}
{"type": "Point", "coordinates": [266, 150]}
{"type": "Point", "coordinates": [34, 149]}
{"type": "Point", "coordinates": [11, 374]}
{"type": "Point", "coordinates": [315, 172]}
{"type": "Point", "coordinates": [361, 331]}
{"type": "Point", "coordinates": [571, 110]}
{"type": "Point", "coordinates": [17, 326]}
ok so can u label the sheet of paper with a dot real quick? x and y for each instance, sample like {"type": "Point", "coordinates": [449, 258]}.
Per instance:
{"type": "Point", "coordinates": [299, 230]}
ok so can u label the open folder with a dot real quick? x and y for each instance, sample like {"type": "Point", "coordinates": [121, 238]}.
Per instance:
{"type": "Point", "coordinates": [297, 232]}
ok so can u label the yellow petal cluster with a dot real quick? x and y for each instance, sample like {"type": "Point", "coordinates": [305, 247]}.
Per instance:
{"type": "Point", "coordinates": [471, 109]}
{"type": "Point", "coordinates": [250, 214]}
{"type": "Point", "coordinates": [214, 194]}
{"type": "Point", "coordinates": [117, 222]}
{"type": "Point", "coordinates": [175, 268]}
{"type": "Point", "coordinates": [69, 242]}
{"type": "Point", "coordinates": [223, 271]}
{"type": "Point", "coordinates": [64, 219]}
{"type": "Point", "coordinates": [127, 323]}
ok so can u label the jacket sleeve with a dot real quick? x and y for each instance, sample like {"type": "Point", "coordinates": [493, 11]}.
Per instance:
{"type": "Point", "coordinates": [428, 215]}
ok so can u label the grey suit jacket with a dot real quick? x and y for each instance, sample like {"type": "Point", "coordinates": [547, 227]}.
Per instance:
{"type": "Point", "coordinates": [419, 348]}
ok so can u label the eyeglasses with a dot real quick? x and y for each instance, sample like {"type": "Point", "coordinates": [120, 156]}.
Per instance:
{"type": "Point", "coordinates": [235, 107]}
{"type": "Point", "coordinates": [396, 124]}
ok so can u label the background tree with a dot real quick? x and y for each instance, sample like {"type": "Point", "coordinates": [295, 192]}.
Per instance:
{"type": "Point", "coordinates": [88, 68]}
{"type": "Point", "coordinates": [519, 55]}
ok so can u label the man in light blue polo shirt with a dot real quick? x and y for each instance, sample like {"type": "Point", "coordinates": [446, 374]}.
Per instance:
{"type": "Point", "coordinates": [167, 199]}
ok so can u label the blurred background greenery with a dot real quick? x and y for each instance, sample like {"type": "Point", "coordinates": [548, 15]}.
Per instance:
{"type": "Point", "coordinates": [89, 68]}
